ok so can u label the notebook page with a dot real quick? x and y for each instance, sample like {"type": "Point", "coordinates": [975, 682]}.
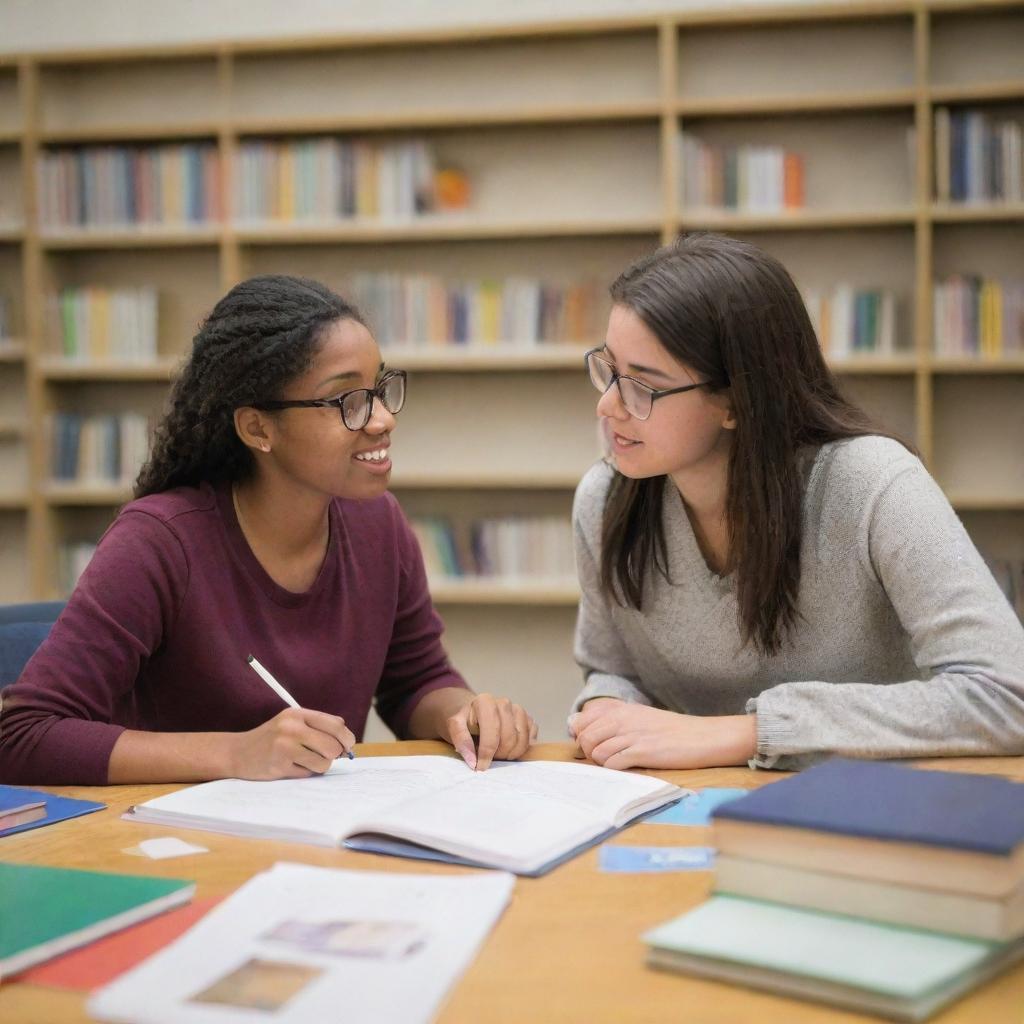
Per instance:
{"type": "Point", "coordinates": [328, 806]}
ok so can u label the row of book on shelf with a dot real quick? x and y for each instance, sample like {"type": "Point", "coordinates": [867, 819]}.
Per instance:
{"type": "Point", "coordinates": [972, 316]}
{"type": "Point", "coordinates": [873, 886]}
{"type": "Point", "coordinates": [6, 330]}
{"type": "Point", "coordinates": [318, 178]}
{"type": "Point", "coordinates": [95, 323]}
{"type": "Point", "coordinates": [978, 316]}
{"type": "Point", "coordinates": [98, 448]}
{"type": "Point", "coordinates": [978, 157]}
{"type": "Point", "coordinates": [528, 547]}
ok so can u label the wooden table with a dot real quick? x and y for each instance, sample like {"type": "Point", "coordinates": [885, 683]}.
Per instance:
{"type": "Point", "coordinates": [566, 950]}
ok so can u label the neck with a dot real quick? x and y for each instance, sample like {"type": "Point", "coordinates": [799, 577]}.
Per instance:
{"type": "Point", "coordinates": [704, 486]}
{"type": "Point", "coordinates": [285, 520]}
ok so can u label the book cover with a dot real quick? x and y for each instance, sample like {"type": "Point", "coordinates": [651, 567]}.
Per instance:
{"type": "Point", "coordinates": [880, 800]}
{"type": "Point", "coordinates": [47, 911]}
{"type": "Point", "coordinates": [58, 808]}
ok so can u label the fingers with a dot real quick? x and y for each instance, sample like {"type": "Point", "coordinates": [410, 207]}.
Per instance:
{"type": "Point", "coordinates": [508, 736]}
{"type": "Point", "coordinates": [525, 729]}
{"type": "Point", "coordinates": [613, 747]}
{"type": "Point", "coordinates": [626, 758]}
{"type": "Point", "coordinates": [596, 733]}
{"type": "Point", "coordinates": [332, 725]}
{"type": "Point", "coordinates": [488, 730]}
{"type": "Point", "coordinates": [461, 738]}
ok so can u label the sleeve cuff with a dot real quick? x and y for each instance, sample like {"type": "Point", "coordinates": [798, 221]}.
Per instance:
{"type": "Point", "coordinates": [601, 685]}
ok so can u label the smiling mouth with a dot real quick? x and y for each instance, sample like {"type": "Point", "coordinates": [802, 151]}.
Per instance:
{"type": "Point", "coordinates": [377, 455]}
{"type": "Point", "coordinates": [627, 442]}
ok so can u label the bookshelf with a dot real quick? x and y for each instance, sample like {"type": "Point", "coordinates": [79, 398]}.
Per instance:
{"type": "Point", "coordinates": [568, 133]}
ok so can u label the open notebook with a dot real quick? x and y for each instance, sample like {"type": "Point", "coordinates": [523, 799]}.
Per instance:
{"type": "Point", "coordinates": [524, 817]}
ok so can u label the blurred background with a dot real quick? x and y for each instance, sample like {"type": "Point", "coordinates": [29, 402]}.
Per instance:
{"type": "Point", "coordinates": [473, 175]}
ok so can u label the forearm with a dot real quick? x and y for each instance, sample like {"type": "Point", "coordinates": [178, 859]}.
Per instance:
{"type": "Point", "coordinates": [140, 757]}
{"type": "Point", "coordinates": [951, 714]}
{"type": "Point", "coordinates": [429, 720]}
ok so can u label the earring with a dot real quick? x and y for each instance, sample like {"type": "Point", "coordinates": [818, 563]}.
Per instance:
{"type": "Point", "coordinates": [264, 447]}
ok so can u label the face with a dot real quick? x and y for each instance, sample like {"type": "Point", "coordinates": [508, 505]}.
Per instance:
{"type": "Point", "coordinates": [312, 447]}
{"type": "Point", "coordinates": [684, 433]}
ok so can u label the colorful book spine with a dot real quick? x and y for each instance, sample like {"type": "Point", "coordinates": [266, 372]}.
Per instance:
{"type": "Point", "coordinates": [851, 321]}
{"type": "Point", "coordinates": [325, 178]}
{"type": "Point", "coordinates": [423, 310]}
{"type": "Point", "coordinates": [512, 547]}
{"type": "Point", "coordinates": [756, 179]}
{"type": "Point", "coordinates": [979, 158]}
{"type": "Point", "coordinates": [90, 324]}
{"type": "Point", "coordinates": [98, 448]}
{"type": "Point", "coordinates": [120, 186]}
{"type": "Point", "coordinates": [1009, 574]}
{"type": "Point", "coordinates": [975, 316]}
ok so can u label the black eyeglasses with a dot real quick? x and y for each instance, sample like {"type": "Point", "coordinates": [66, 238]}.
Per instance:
{"type": "Point", "coordinates": [356, 407]}
{"type": "Point", "coordinates": [637, 397]}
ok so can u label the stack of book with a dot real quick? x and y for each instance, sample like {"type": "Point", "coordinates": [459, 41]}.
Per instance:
{"type": "Point", "coordinates": [977, 158]}
{"type": "Point", "coordinates": [120, 186]}
{"type": "Point", "coordinates": [872, 886]}
{"type": "Point", "coordinates": [426, 310]}
{"type": "Point", "coordinates": [537, 547]}
{"type": "Point", "coordinates": [325, 178]}
{"type": "Point", "coordinates": [1009, 574]}
{"type": "Point", "coordinates": [72, 558]}
{"type": "Point", "coordinates": [105, 323]}
{"type": "Point", "coordinates": [975, 316]}
{"type": "Point", "coordinates": [760, 179]}
{"type": "Point", "coordinates": [855, 321]}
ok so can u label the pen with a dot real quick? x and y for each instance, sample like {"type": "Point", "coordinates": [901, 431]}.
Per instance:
{"type": "Point", "coordinates": [280, 690]}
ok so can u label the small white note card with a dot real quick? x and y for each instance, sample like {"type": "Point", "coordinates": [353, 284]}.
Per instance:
{"type": "Point", "coordinates": [164, 847]}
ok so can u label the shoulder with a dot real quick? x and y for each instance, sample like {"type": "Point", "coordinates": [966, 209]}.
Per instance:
{"type": "Point", "coordinates": [849, 472]}
{"type": "Point", "coordinates": [174, 507]}
{"type": "Point", "coordinates": [591, 495]}
{"type": "Point", "coordinates": [374, 521]}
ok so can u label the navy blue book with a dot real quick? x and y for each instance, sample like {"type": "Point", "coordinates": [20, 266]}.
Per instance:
{"type": "Point", "coordinates": [58, 808]}
{"type": "Point", "coordinates": [881, 800]}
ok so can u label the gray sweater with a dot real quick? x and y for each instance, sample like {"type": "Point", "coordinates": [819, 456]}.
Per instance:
{"type": "Point", "coordinates": [904, 647]}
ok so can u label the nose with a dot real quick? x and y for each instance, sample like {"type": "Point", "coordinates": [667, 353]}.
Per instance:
{"type": "Point", "coordinates": [381, 421]}
{"type": "Point", "coordinates": [610, 404]}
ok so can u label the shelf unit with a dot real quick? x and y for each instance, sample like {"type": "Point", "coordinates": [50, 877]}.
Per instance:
{"type": "Point", "coordinates": [568, 131]}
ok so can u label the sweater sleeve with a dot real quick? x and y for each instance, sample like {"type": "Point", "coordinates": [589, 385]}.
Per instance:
{"type": "Point", "coordinates": [61, 719]}
{"type": "Point", "coordinates": [608, 669]}
{"type": "Point", "coordinates": [416, 661]}
{"type": "Point", "coordinates": [965, 639]}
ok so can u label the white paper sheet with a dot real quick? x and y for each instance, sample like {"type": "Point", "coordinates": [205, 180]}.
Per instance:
{"type": "Point", "coordinates": [298, 944]}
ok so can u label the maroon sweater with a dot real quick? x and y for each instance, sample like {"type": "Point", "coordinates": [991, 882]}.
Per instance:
{"type": "Point", "coordinates": [156, 634]}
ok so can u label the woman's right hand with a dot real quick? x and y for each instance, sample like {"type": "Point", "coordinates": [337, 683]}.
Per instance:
{"type": "Point", "coordinates": [295, 744]}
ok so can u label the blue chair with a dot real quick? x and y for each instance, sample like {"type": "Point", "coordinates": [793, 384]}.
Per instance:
{"type": "Point", "coordinates": [23, 627]}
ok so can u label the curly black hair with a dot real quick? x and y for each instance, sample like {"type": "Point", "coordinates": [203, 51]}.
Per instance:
{"type": "Point", "coordinates": [264, 333]}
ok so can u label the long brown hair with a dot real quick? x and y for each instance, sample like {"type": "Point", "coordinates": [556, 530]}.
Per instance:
{"type": "Point", "coordinates": [732, 313]}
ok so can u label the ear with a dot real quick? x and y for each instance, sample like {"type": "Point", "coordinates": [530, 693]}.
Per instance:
{"type": "Point", "coordinates": [729, 422]}
{"type": "Point", "coordinates": [254, 428]}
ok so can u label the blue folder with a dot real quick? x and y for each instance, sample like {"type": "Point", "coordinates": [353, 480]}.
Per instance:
{"type": "Point", "coordinates": [58, 808]}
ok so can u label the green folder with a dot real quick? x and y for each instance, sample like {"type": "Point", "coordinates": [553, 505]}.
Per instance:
{"type": "Point", "coordinates": [902, 973]}
{"type": "Point", "coordinates": [47, 911]}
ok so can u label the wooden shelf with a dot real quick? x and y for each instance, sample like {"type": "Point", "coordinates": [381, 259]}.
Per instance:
{"type": "Point", "coordinates": [10, 137]}
{"type": "Point", "coordinates": [11, 233]}
{"type": "Point", "coordinates": [898, 365]}
{"type": "Point", "coordinates": [952, 365]}
{"type": "Point", "coordinates": [435, 229]}
{"type": "Point", "coordinates": [980, 93]}
{"type": "Point", "coordinates": [479, 591]}
{"type": "Point", "coordinates": [67, 370]}
{"type": "Point", "coordinates": [11, 429]}
{"type": "Point", "coordinates": [58, 493]}
{"type": "Point", "coordinates": [130, 238]}
{"type": "Point", "coordinates": [986, 503]}
{"type": "Point", "coordinates": [12, 351]}
{"type": "Point", "coordinates": [949, 213]}
{"type": "Point", "coordinates": [485, 358]}
{"type": "Point", "coordinates": [796, 220]}
{"type": "Point", "coordinates": [129, 133]}
{"type": "Point", "coordinates": [797, 103]}
{"type": "Point", "coordinates": [466, 118]}
{"type": "Point", "coordinates": [13, 502]}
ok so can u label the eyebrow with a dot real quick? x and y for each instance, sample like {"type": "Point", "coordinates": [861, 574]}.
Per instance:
{"type": "Point", "coordinates": [351, 375]}
{"type": "Point", "coordinates": [648, 371]}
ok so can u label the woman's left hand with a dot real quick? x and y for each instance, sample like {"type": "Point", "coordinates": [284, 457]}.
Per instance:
{"type": "Point", "coordinates": [504, 730]}
{"type": "Point", "coordinates": [617, 734]}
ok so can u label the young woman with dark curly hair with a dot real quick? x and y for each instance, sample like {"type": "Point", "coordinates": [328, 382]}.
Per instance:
{"type": "Point", "coordinates": [261, 525]}
{"type": "Point", "coordinates": [766, 575]}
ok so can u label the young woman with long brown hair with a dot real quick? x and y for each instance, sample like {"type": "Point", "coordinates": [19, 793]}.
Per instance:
{"type": "Point", "coordinates": [262, 525]}
{"type": "Point", "coordinates": [767, 576]}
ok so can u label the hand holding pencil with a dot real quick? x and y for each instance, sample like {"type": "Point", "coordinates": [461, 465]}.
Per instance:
{"type": "Point", "coordinates": [297, 743]}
